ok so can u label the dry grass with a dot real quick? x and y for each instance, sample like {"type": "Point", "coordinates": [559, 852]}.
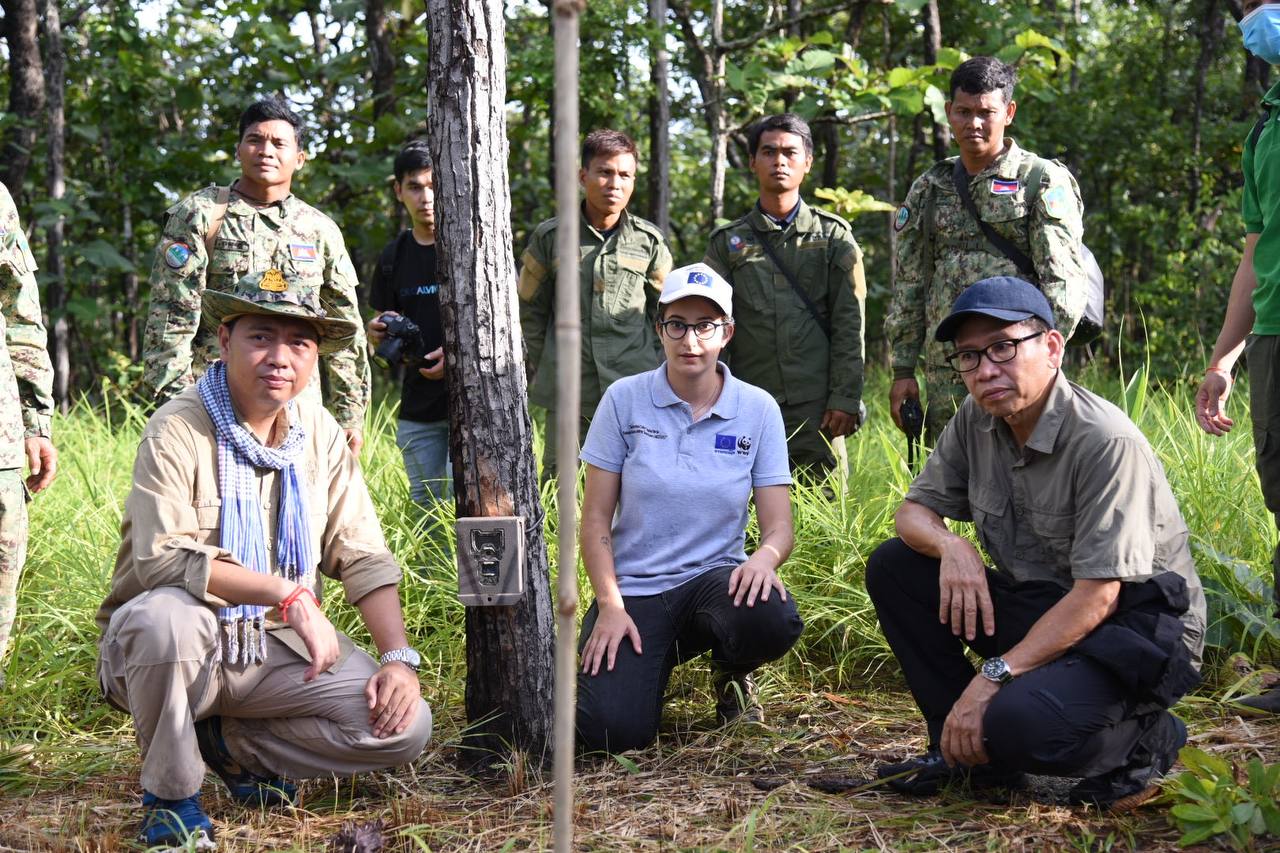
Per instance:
{"type": "Point", "coordinates": [694, 790]}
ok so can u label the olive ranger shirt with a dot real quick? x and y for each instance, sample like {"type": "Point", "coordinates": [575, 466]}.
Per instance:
{"type": "Point", "coordinates": [936, 262]}
{"type": "Point", "coordinates": [777, 345]}
{"type": "Point", "coordinates": [170, 531]}
{"type": "Point", "coordinates": [1086, 497]}
{"type": "Point", "coordinates": [291, 236]}
{"type": "Point", "coordinates": [621, 275]}
{"type": "Point", "coordinates": [26, 375]}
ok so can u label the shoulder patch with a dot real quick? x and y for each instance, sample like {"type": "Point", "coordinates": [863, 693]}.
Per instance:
{"type": "Point", "coordinates": [1056, 202]}
{"type": "Point", "coordinates": [176, 255]}
{"type": "Point", "coordinates": [904, 216]}
{"type": "Point", "coordinates": [647, 227]}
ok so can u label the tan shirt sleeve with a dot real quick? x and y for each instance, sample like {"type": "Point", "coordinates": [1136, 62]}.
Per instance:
{"type": "Point", "coordinates": [165, 523]}
{"type": "Point", "coordinates": [1117, 494]}
{"type": "Point", "coordinates": [352, 548]}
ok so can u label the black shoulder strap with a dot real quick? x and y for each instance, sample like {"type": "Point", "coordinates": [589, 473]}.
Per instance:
{"type": "Point", "coordinates": [387, 261]}
{"type": "Point", "coordinates": [960, 177]}
{"type": "Point", "coordinates": [823, 324]}
{"type": "Point", "coordinates": [1258, 126]}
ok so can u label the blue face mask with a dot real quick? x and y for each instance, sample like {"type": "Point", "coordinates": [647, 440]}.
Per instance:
{"type": "Point", "coordinates": [1261, 29]}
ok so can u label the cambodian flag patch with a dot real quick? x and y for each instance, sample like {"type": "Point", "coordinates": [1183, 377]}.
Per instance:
{"type": "Point", "coordinates": [727, 443]}
{"type": "Point", "coordinates": [303, 251]}
{"type": "Point", "coordinates": [999, 187]}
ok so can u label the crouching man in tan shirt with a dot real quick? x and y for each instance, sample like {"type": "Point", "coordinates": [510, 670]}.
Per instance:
{"type": "Point", "coordinates": [213, 637]}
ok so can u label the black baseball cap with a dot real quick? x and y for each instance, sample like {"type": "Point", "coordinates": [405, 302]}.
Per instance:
{"type": "Point", "coordinates": [1003, 297]}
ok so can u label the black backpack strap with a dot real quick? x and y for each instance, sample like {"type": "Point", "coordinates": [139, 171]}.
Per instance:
{"type": "Point", "coordinates": [960, 177]}
{"type": "Point", "coordinates": [1258, 126]}
{"type": "Point", "coordinates": [824, 325]}
{"type": "Point", "coordinates": [387, 260]}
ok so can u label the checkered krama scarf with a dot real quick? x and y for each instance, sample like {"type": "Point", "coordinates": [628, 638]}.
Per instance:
{"type": "Point", "coordinates": [240, 454]}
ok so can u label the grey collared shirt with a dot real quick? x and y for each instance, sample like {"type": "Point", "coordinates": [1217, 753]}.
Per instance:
{"type": "Point", "coordinates": [1085, 498]}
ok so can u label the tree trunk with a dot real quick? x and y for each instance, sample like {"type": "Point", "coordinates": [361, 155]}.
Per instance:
{"type": "Point", "coordinates": [26, 91]}
{"type": "Point", "coordinates": [933, 44]}
{"type": "Point", "coordinates": [55, 78]}
{"type": "Point", "coordinates": [1210, 37]}
{"type": "Point", "coordinates": [718, 113]}
{"type": "Point", "coordinates": [382, 61]}
{"type": "Point", "coordinates": [509, 649]}
{"type": "Point", "coordinates": [660, 123]}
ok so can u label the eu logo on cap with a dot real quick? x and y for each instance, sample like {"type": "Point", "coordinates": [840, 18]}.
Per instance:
{"type": "Point", "coordinates": [702, 278]}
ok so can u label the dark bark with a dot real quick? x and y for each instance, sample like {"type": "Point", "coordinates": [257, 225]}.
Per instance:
{"type": "Point", "coordinates": [941, 134]}
{"type": "Point", "coordinates": [660, 122]}
{"type": "Point", "coordinates": [1210, 33]}
{"type": "Point", "coordinates": [509, 649]}
{"type": "Point", "coordinates": [55, 79]}
{"type": "Point", "coordinates": [26, 91]}
{"type": "Point", "coordinates": [827, 136]}
{"type": "Point", "coordinates": [382, 61]}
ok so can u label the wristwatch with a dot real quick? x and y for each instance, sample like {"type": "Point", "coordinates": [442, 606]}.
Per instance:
{"type": "Point", "coordinates": [995, 669]}
{"type": "Point", "coordinates": [406, 656]}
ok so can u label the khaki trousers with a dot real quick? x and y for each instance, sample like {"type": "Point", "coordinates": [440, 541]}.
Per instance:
{"type": "Point", "coordinates": [156, 662]}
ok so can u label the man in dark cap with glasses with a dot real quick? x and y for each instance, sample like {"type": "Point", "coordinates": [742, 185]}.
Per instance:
{"type": "Point", "coordinates": [1091, 620]}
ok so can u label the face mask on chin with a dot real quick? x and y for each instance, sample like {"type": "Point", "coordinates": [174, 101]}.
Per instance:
{"type": "Point", "coordinates": [1261, 30]}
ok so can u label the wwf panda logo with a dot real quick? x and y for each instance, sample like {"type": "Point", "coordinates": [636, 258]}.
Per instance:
{"type": "Point", "coordinates": [744, 443]}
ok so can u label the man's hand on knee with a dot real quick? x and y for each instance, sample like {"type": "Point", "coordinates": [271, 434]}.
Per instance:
{"type": "Point", "coordinates": [962, 741]}
{"type": "Point", "coordinates": [393, 693]}
{"type": "Point", "coordinates": [962, 586]}
{"type": "Point", "coordinates": [305, 617]}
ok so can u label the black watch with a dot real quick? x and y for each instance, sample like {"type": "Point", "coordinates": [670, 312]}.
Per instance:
{"type": "Point", "coordinates": [995, 669]}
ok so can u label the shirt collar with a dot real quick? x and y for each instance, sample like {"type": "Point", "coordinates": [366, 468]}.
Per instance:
{"type": "Point", "coordinates": [623, 226]}
{"type": "Point", "coordinates": [282, 209]}
{"type": "Point", "coordinates": [784, 221]}
{"type": "Point", "coordinates": [726, 405]}
{"type": "Point", "coordinates": [1272, 97]}
{"type": "Point", "coordinates": [1005, 165]}
{"type": "Point", "coordinates": [801, 216]}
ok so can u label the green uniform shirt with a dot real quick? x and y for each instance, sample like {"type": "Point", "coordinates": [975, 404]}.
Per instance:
{"type": "Point", "coordinates": [291, 236]}
{"type": "Point", "coordinates": [26, 375]}
{"type": "Point", "coordinates": [777, 345]}
{"type": "Point", "coordinates": [621, 275]}
{"type": "Point", "coordinates": [1261, 203]}
{"type": "Point", "coordinates": [1085, 498]}
{"type": "Point", "coordinates": [935, 264]}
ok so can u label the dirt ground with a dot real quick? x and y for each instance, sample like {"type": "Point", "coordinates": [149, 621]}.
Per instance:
{"type": "Point", "coordinates": [699, 788]}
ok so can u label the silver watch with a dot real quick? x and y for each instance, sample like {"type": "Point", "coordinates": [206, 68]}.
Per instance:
{"type": "Point", "coordinates": [995, 669]}
{"type": "Point", "coordinates": [406, 656]}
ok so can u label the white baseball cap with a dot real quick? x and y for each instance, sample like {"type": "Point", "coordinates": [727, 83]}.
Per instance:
{"type": "Point", "coordinates": [697, 280]}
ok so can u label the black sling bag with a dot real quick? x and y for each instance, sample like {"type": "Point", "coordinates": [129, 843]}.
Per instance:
{"type": "Point", "coordinates": [824, 325]}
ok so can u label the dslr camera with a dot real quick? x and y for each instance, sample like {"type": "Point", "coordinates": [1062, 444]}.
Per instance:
{"type": "Point", "coordinates": [403, 343]}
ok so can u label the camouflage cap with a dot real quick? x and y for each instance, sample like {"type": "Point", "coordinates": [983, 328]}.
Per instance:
{"type": "Point", "coordinates": [273, 294]}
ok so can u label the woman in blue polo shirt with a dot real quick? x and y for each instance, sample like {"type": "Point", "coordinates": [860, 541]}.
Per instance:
{"type": "Point", "coordinates": [674, 456]}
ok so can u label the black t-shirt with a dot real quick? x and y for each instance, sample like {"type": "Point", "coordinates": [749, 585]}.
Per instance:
{"type": "Point", "coordinates": [413, 291]}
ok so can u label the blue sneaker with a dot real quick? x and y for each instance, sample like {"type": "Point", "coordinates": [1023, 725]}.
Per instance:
{"type": "Point", "coordinates": [175, 822]}
{"type": "Point", "coordinates": [247, 789]}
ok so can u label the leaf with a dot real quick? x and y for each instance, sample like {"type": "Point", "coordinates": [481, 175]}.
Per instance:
{"type": "Point", "coordinates": [851, 203]}
{"type": "Point", "coordinates": [1198, 834]}
{"type": "Point", "coordinates": [817, 60]}
{"type": "Point", "coordinates": [902, 76]}
{"type": "Point", "coordinates": [1030, 39]}
{"type": "Point", "coordinates": [1203, 764]}
{"type": "Point", "coordinates": [627, 764]}
{"type": "Point", "coordinates": [949, 57]}
{"type": "Point", "coordinates": [733, 76]}
{"type": "Point", "coordinates": [1242, 813]}
{"type": "Point", "coordinates": [936, 102]}
{"type": "Point", "coordinates": [910, 6]}
{"type": "Point", "coordinates": [1193, 813]}
{"type": "Point", "coordinates": [100, 253]}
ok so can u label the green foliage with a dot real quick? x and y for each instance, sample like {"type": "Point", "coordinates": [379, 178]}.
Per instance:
{"type": "Point", "coordinates": [851, 203]}
{"type": "Point", "coordinates": [1208, 800]}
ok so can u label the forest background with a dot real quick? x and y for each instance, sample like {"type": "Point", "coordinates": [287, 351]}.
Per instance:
{"type": "Point", "coordinates": [115, 110]}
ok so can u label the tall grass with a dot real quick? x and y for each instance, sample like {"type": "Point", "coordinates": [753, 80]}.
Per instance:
{"type": "Point", "coordinates": [52, 698]}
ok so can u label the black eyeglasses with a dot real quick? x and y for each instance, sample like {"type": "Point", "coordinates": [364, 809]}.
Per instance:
{"type": "Point", "coordinates": [998, 353]}
{"type": "Point", "coordinates": [703, 330]}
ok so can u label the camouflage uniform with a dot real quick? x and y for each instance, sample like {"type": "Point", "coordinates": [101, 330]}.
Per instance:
{"type": "Point", "coordinates": [26, 398]}
{"type": "Point", "coordinates": [289, 235]}
{"type": "Point", "coordinates": [621, 276]}
{"type": "Point", "coordinates": [777, 345]}
{"type": "Point", "coordinates": [930, 277]}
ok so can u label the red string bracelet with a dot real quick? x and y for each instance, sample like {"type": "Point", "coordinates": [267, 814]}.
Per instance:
{"type": "Point", "coordinates": [297, 593]}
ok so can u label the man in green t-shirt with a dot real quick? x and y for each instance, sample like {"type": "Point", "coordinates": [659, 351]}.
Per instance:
{"type": "Point", "coordinates": [1253, 308]}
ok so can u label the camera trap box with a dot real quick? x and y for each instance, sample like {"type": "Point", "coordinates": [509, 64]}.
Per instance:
{"type": "Point", "coordinates": [490, 560]}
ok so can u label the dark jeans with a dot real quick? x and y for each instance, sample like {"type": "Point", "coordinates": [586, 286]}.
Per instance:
{"type": "Point", "coordinates": [620, 709]}
{"type": "Point", "coordinates": [1070, 717]}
